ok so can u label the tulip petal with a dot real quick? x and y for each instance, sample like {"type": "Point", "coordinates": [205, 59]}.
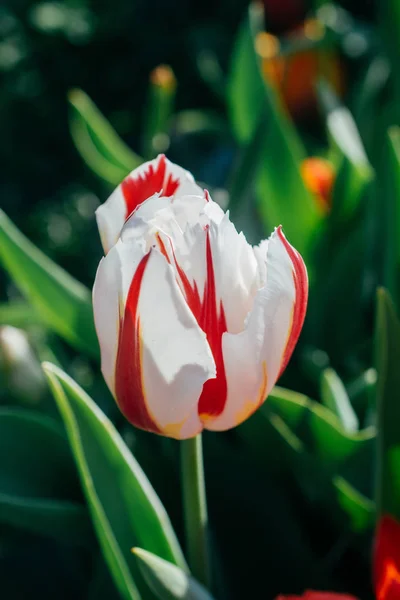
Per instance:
{"type": "Point", "coordinates": [254, 358]}
{"type": "Point", "coordinates": [387, 559]}
{"type": "Point", "coordinates": [236, 273]}
{"type": "Point", "coordinates": [153, 177]}
{"type": "Point", "coordinates": [163, 357]}
{"type": "Point", "coordinates": [106, 313]}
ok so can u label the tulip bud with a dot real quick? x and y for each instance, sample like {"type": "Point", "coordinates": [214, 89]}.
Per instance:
{"type": "Point", "coordinates": [319, 177]}
{"type": "Point", "coordinates": [22, 370]}
{"type": "Point", "coordinates": [195, 325]}
{"type": "Point", "coordinates": [159, 110]}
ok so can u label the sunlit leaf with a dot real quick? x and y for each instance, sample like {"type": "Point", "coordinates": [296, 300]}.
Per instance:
{"type": "Point", "coordinates": [335, 397]}
{"type": "Point", "coordinates": [355, 171]}
{"type": "Point", "coordinates": [63, 303]}
{"type": "Point", "coordinates": [97, 142]}
{"type": "Point", "coordinates": [167, 581]}
{"type": "Point", "coordinates": [125, 509]}
{"type": "Point", "coordinates": [255, 110]}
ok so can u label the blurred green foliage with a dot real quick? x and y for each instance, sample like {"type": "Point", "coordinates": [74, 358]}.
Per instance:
{"type": "Point", "coordinates": [292, 491]}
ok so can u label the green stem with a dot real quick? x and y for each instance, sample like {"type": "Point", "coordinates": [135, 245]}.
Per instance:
{"type": "Point", "coordinates": [195, 508]}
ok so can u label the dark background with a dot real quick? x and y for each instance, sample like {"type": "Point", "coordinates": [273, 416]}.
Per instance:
{"type": "Point", "coordinates": [108, 49]}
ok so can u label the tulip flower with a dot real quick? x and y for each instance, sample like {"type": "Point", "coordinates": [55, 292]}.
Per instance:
{"type": "Point", "coordinates": [153, 177]}
{"type": "Point", "coordinates": [387, 559]}
{"type": "Point", "coordinates": [195, 325]}
{"type": "Point", "coordinates": [294, 75]}
{"type": "Point", "coordinates": [319, 177]}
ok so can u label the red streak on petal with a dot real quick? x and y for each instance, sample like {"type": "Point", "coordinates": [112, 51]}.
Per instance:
{"type": "Point", "coordinates": [153, 181]}
{"type": "Point", "coordinates": [387, 559]}
{"type": "Point", "coordinates": [211, 319]}
{"type": "Point", "coordinates": [162, 248]}
{"type": "Point", "coordinates": [129, 388]}
{"type": "Point", "coordinates": [213, 397]}
{"type": "Point", "coordinates": [300, 279]}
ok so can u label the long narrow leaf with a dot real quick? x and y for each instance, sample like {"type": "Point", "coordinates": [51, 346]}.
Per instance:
{"type": "Point", "coordinates": [335, 397]}
{"type": "Point", "coordinates": [125, 509]}
{"type": "Point", "coordinates": [387, 350]}
{"type": "Point", "coordinates": [98, 143]}
{"type": "Point", "coordinates": [254, 105]}
{"type": "Point", "coordinates": [63, 303]}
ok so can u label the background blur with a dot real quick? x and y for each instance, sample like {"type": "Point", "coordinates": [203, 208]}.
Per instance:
{"type": "Point", "coordinates": [278, 539]}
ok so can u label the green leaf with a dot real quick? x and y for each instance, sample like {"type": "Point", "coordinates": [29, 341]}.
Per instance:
{"type": "Point", "coordinates": [311, 448]}
{"type": "Point", "coordinates": [387, 353]}
{"type": "Point", "coordinates": [39, 490]}
{"type": "Point", "coordinates": [317, 426]}
{"type": "Point", "coordinates": [362, 393]}
{"type": "Point", "coordinates": [97, 142]}
{"type": "Point", "coordinates": [256, 111]}
{"type": "Point", "coordinates": [246, 93]}
{"type": "Point", "coordinates": [334, 396]}
{"type": "Point", "coordinates": [369, 98]}
{"type": "Point", "coordinates": [389, 13]}
{"type": "Point", "coordinates": [389, 207]}
{"type": "Point", "coordinates": [360, 509]}
{"type": "Point", "coordinates": [342, 263]}
{"type": "Point", "coordinates": [125, 509]}
{"type": "Point", "coordinates": [63, 303]}
{"type": "Point", "coordinates": [355, 171]}
{"type": "Point", "coordinates": [18, 314]}
{"type": "Point", "coordinates": [167, 581]}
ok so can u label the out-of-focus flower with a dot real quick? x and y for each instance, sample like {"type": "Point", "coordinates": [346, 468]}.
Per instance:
{"type": "Point", "coordinates": [311, 595]}
{"type": "Point", "coordinates": [294, 75]}
{"type": "Point", "coordinates": [387, 559]}
{"type": "Point", "coordinates": [195, 325]}
{"type": "Point", "coordinates": [319, 176]}
{"type": "Point", "coordinates": [153, 177]}
{"type": "Point", "coordinates": [163, 77]}
{"type": "Point", "coordinates": [20, 366]}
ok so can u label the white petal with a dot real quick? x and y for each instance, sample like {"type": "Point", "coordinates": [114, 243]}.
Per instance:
{"type": "Point", "coordinates": [106, 313]}
{"type": "Point", "coordinates": [112, 215]}
{"type": "Point", "coordinates": [253, 357]}
{"type": "Point", "coordinates": [110, 218]}
{"type": "Point", "coordinates": [187, 184]}
{"type": "Point", "coordinates": [177, 359]}
{"type": "Point", "coordinates": [236, 272]}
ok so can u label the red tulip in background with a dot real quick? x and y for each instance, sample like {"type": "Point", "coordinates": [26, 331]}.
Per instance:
{"type": "Point", "coordinates": [319, 177]}
{"type": "Point", "coordinates": [387, 559]}
{"type": "Point", "coordinates": [386, 566]}
{"type": "Point", "coordinates": [311, 595]}
{"type": "Point", "coordinates": [294, 75]}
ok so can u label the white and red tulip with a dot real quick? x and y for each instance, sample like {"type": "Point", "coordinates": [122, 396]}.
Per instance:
{"type": "Point", "coordinates": [153, 177]}
{"type": "Point", "coordinates": [195, 325]}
